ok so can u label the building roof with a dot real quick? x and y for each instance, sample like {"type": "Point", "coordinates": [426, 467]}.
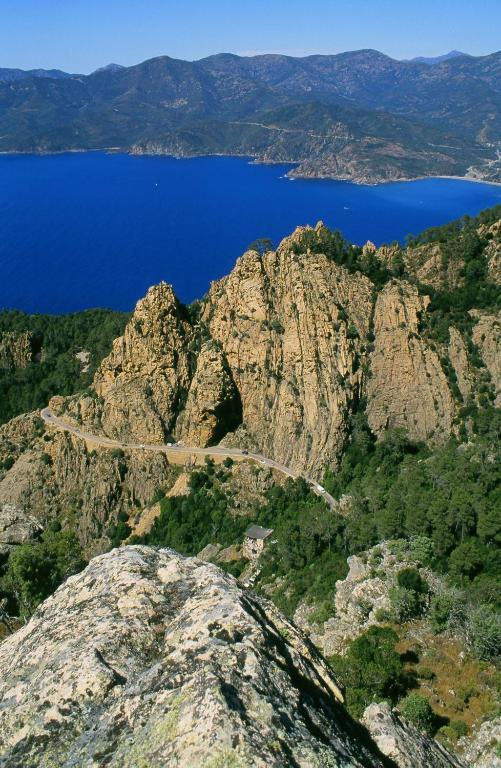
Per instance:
{"type": "Point", "coordinates": [256, 532]}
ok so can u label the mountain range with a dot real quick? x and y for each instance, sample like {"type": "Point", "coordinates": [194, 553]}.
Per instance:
{"type": "Point", "coordinates": [359, 115]}
{"type": "Point", "coordinates": [431, 60]}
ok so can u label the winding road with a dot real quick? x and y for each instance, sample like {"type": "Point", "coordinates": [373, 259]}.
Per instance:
{"type": "Point", "coordinates": [176, 449]}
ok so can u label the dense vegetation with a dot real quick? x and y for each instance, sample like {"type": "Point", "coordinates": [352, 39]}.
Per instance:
{"type": "Point", "coordinates": [189, 523]}
{"type": "Point", "coordinates": [461, 244]}
{"type": "Point", "coordinates": [372, 670]}
{"type": "Point", "coordinates": [450, 495]}
{"type": "Point", "coordinates": [35, 569]}
{"type": "Point", "coordinates": [54, 368]}
{"type": "Point", "coordinates": [332, 244]}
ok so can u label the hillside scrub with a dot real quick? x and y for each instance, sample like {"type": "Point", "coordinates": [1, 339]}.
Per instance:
{"type": "Point", "coordinates": [54, 368]}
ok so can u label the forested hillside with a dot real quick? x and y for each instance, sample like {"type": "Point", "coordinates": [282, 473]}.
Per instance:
{"type": "Point", "coordinates": [358, 115]}
{"type": "Point", "coordinates": [45, 355]}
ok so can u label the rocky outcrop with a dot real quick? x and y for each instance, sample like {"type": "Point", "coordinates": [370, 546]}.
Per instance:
{"type": "Point", "coordinates": [56, 475]}
{"type": "Point", "coordinates": [15, 350]}
{"type": "Point", "coordinates": [15, 529]}
{"type": "Point", "coordinates": [403, 743]}
{"type": "Point", "coordinates": [292, 325]}
{"type": "Point", "coordinates": [148, 658]}
{"type": "Point", "coordinates": [487, 337]}
{"type": "Point", "coordinates": [484, 750]}
{"type": "Point", "coordinates": [363, 597]}
{"type": "Point", "coordinates": [147, 373]}
{"type": "Point", "coordinates": [213, 405]}
{"type": "Point", "coordinates": [458, 355]}
{"type": "Point", "coordinates": [408, 387]}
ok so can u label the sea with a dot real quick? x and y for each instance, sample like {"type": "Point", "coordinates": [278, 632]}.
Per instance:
{"type": "Point", "coordinates": [82, 230]}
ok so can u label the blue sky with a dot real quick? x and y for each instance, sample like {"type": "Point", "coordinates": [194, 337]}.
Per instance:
{"type": "Point", "coordinates": [81, 35]}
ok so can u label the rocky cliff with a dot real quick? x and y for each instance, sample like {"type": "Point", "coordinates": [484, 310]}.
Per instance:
{"type": "Point", "coordinates": [15, 350]}
{"type": "Point", "coordinates": [147, 373]}
{"type": "Point", "coordinates": [287, 346]}
{"type": "Point", "coordinates": [292, 327]}
{"type": "Point", "coordinates": [147, 658]}
{"type": "Point", "coordinates": [277, 357]}
{"type": "Point", "coordinates": [403, 743]}
{"type": "Point", "coordinates": [408, 387]}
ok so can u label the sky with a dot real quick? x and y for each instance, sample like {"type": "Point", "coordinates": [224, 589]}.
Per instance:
{"type": "Point", "coordinates": [82, 35]}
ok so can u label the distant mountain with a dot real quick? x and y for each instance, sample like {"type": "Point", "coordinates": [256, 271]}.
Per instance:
{"type": "Point", "coordinates": [10, 75]}
{"type": "Point", "coordinates": [431, 60]}
{"type": "Point", "coordinates": [109, 68]}
{"type": "Point", "coordinates": [358, 115]}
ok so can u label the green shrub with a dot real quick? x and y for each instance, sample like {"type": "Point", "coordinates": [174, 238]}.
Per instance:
{"type": "Point", "coordinates": [417, 710]}
{"type": "Point", "coordinates": [459, 727]}
{"type": "Point", "coordinates": [8, 463]}
{"type": "Point", "coordinates": [425, 673]}
{"type": "Point", "coordinates": [411, 579]}
{"type": "Point", "coordinates": [235, 567]}
{"type": "Point", "coordinates": [446, 609]}
{"type": "Point", "coordinates": [406, 604]}
{"type": "Point", "coordinates": [37, 568]}
{"type": "Point", "coordinates": [119, 532]}
{"type": "Point", "coordinates": [483, 627]}
{"type": "Point", "coordinates": [421, 549]}
{"type": "Point", "coordinates": [383, 615]}
{"type": "Point", "coordinates": [371, 670]}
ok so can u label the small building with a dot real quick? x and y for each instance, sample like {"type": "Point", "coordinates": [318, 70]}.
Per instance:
{"type": "Point", "coordinates": [254, 541]}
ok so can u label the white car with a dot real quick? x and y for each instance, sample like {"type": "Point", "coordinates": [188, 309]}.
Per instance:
{"type": "Point", "coordinates": [142, 445]}
{"type": "Point", "coordinates": [169, 445]}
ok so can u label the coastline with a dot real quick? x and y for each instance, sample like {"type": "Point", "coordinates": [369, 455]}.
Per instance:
{"type": "Point", "coordinates": [454, 178]}
{"type": "Point", "coordinates": [253, 161]}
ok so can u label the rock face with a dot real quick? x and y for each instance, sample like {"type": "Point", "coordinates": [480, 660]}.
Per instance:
{"type": "Point", "coordinates": [15, 529]}
{"type": "Point", "coordinates": [362, 595]}
{"type": "Point", "coordinates": [147, 373]}
{"type": "Point", "coordinates": [403, 743]}
{"type": "Point", "coordinates": [62, 477]}
{"type": "Point", "coordinates": [483, 751]}
{"type": "Point", "coordinates": [15, 350]}
{"type": "Point", "coordinates": [487, 337]}
{"type": "Point", "coordinates": [292, 326]}
{"type": "Point", "coordinates": [458, 356]}
{"type": "Point", "coordinates": [408, 387]}
{"type": "Point", "coordinates": [213, 404]}
{"type": "Point", "coordinates": [284, 349]}
{"type": "Point", "coordinates": [147, 658]}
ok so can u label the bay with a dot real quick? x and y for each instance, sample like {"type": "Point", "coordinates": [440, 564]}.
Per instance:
{"type": "Point", "coordinates": [96, 230]}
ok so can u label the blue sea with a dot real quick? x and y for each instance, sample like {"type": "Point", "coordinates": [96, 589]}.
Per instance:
{"type": "Point", "coordinates": [95, 230]}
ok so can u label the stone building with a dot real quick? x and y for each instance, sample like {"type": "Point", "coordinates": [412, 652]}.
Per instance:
{"type": "Point", "coordinates": [254, 541]}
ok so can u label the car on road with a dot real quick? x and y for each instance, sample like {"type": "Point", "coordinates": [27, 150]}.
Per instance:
{"type": "Point", "coordinates": [169, 445]}
{"type": "Point", "coordinates": [142, 445]}
{"type": "Point", "coordinates": [245, 453]}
